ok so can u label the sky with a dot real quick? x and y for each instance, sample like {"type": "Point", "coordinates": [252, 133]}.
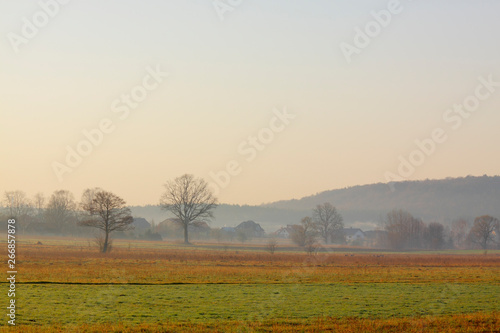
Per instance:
{"type": "Point", "coordinates": [265, 100]}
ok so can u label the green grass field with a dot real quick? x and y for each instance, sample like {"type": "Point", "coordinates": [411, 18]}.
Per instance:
{"type": "Point", "coordinates": [134, 304]}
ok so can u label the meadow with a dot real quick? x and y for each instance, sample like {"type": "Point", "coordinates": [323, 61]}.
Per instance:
{"type": "Point", "coordinates": [66, 285]}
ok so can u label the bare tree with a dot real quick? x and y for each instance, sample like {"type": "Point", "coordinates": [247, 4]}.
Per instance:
{"type": "Point", "coordinates": [483, 230]}
{"type": "Point", "coordinates": [396, 225]}
{"type": "Point", "coordinates": [18, 204]}
{"type": "Point", "coordinates": [89, 195]}
{"type": "Point", "coordinates": [271, 245]}
{"type": "Point", "coordinates": [312, 248]}
{"type": "Point", "coordinates": [458, 233]}
{"type": "Point", "coordinates": [327, 221]}
{"type": "Point", "coordinates": [19, 207]}
{"type": "Point", "coordinates": [434, 235]}
{"type": "Point", "coordinates": [415, 233]}
{"type": "Point", "coordinates": [106, 212]}
{"type": "Point", "coordinates": [39, 203]}
{"type": "Point", "coordinates": [189, 199]}
{"type": "Point", "coordinates": [60, 211]}
{"type": "Point", "coordinates": [304, 234]}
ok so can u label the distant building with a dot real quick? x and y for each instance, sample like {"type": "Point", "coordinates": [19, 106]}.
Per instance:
{"type": "Point", "coordinates": [283, 232]}
{"type": "Point", "coordinates": [200, 227]}
{"type": "Point", "coordinates": [251, 228]}
{"type": "Point", "coordinates": [140, 224]}
{"type": "Point", "coordinates": [353, 235]}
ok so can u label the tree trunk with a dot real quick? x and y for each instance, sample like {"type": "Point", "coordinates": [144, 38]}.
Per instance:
{"type": "Point", "coordinates": [186, 240]}
{"type": "Point", "coordinates": [105, 245]}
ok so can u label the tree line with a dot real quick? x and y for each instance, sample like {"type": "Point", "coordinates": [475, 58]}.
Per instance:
{"type": "Point", "coordinates": [404, 231]}
{"type": "Point", "coordinates": [190, 200]}
{"type": "Point", "coordinates": [62, 215]}
{"type": "Point", "coordinates": [399, 230]}
{"type": "Point", "coordinates": [187, 197]}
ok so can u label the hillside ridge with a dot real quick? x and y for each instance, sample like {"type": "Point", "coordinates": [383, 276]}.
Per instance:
{"type": "Point", "coordinates": [440, 200]}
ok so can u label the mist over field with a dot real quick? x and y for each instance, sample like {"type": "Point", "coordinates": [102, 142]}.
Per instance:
{"type": "Point", "coordinates": [249, 166]}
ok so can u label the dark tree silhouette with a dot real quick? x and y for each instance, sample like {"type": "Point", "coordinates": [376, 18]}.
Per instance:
{"type": "Point", "coordinates": [483, 230]}
{"type": "Point", "coordinates": [106, 212]}
{"type": "Point", "coordinates": [190, 200]}
{"type": "Point", "coordinates": [327, 221]}
{"type": "Point", "coordinates": [434, 235]}
{"type": "Point", "coordinates": [403, 230]}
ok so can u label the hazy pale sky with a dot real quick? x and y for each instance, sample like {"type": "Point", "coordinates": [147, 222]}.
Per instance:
{"type": "Point", "coordinates": [288, 98]}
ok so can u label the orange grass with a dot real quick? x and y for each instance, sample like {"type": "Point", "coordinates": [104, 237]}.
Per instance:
{"type": "Point", "coordinates": [78, 264]}
{"type": "Point", "coordinates": [476, 322]}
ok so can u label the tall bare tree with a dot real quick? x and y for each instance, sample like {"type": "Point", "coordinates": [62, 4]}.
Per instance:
{"type": "Point", "coordinates": [415, 233]}
{"type": "Point", "coordinates": [458, 233]}
{"type": "Point", "coordinates": [397, 225]}
{"type": "Point", "coordinates": [327, 221]}
{"type": "Point", "coordinates": [190, 200]}
{"type": "Point", "coordinates": [483, 230]}
{"type": "Point", "coordinates": [39, 203]}
{"type": "Point", "coordinates": [106, 212]}
{"type": "Point", "coordinates": [434, 235]}
{"type": "Point", "coordinates": [60, 211]}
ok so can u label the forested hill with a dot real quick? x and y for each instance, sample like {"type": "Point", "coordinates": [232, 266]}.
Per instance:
{"type": "Point", "coordinates": [440, 200]}
{"type": "Point", "coordinates": [364, 206]}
